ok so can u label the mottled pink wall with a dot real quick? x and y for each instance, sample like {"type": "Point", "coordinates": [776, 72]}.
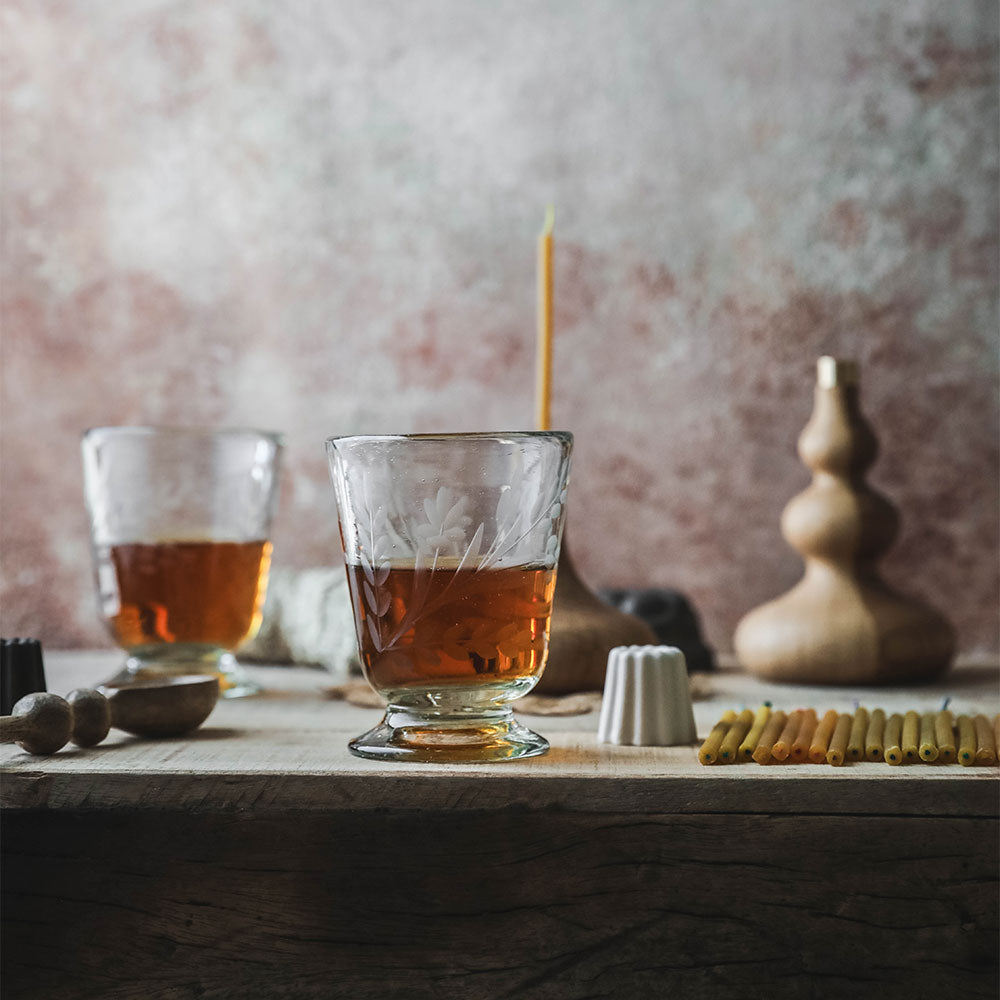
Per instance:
{"type": "Point", "coordinates": [319, 217]}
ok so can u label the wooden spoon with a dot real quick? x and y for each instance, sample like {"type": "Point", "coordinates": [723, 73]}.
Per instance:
{"type": "Point", "coordinates": [43, 723]}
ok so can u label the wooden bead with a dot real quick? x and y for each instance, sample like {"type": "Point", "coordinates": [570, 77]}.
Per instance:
{"type": "Point", "coordinates": [41, 723]}
{"type": "Point", "coordinates": [91, 716]}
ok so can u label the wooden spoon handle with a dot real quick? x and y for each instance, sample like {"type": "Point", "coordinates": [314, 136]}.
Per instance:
{"type": "Point", "coordinates": [13, 728]}
{"type": "Point", "coordinates": [40, 723]}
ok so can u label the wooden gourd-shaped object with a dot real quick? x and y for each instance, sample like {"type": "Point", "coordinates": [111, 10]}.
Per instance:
{"type": "Point", "coordinates": [842, 624]}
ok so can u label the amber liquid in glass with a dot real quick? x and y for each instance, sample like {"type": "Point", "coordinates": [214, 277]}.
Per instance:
{"type": "Point", "coordinates": [193, 593]}
{"type": "Point", "coordinates": [451, 626]}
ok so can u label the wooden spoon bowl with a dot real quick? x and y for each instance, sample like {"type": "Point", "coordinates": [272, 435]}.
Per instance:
{"type": "Point", "coordinates": [163, 706]}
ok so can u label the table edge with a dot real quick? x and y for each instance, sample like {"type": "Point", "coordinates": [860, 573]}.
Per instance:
{"type": "Point", "coordinates": [974, 795]}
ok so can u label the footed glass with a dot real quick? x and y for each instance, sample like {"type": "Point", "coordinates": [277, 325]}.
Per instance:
{"type": "Point", "coordinates": [451, 543]}
{"type": "Point", "coordinates": [180, 527]}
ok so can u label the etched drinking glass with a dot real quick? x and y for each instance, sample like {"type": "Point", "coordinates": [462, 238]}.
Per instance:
{"type": "Point", "coordinates": [180, 529]}
{"type": "Point", "coordinates": [451, 543]}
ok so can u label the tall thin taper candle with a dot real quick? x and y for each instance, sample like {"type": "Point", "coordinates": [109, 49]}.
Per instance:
{"type": "Point", "coordinates": [543, 373]}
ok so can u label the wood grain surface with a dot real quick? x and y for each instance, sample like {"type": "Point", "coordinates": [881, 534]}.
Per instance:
{"type": "Point", "coordinates": [258, 859]}
{"type": "Point", "coordinates": [499, 903]}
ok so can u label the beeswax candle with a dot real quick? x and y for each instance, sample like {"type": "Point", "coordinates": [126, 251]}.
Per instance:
{"type": "Point", "coordinates": [745, 752]}
{"type": "Point", "coordinates": [966, 741]}
{"type": "Point", "coordinates": [911, 737]}
{"type": "Point", "coordinates": [783, 744]}
{"type": "Point", "coordinates": [944, 736]}
{"type": "Point", "coordinates": [838, 743]}
{"type": "Point", "coordinates": [893, 739]}
{"type": "Point", "coordinates": [986, 751]}
{"type": "Point", "coordinates": [856, 740]}
{"type": "Point", "coordinates": [543, 373]}
{"type": "Point", "coordinates": [709, 752]}
{"type": "Point", "coordinates": [875, 736]}
{"type": "Point", "coordinates": [821, 738]}
{"type": "Point", "coordinates": [803, 739]}
{"type": "Point", "coordinates": [762, 752]}
{"type": "Point", "coordinates": [928, 744]}
{"type": "Point", "coordinates": [733, 739]}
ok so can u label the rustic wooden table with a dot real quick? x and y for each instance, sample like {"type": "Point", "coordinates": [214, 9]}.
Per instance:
{"type": "Point", "coordinates": [258, 858]}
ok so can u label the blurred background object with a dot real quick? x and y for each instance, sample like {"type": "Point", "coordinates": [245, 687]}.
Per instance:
{"type": "Point", "coordinates": [841, 623]}
{"type": "Point", "coordinates": [321, 217]}
{"type": "Point", "coordinates": [671, 617]}
{"type": "Point", "coordinates": [22, 671]}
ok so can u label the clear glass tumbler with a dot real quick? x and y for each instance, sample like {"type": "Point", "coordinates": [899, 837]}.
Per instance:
{"type": "Point", "coordinates": [451, 543]}
{"type": "Point", "coordinates": [180, 527]}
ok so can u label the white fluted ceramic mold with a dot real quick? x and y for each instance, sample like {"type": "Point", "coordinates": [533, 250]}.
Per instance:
{"type": "Point", "coordinates": [647, 700]}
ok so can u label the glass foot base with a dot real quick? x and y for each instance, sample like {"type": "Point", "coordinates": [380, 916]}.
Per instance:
{"type": "Point", "coordinates": [404, 735]}
{"type": "Point", "coordinates": [234, 681]}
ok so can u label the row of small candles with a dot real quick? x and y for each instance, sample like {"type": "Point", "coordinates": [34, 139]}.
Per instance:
{"type": "Point", "coordinates": [770, 736]}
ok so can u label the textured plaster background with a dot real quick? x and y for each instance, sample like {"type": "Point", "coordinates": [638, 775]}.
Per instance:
{"type": "Point", "coordinates": [320, 217]}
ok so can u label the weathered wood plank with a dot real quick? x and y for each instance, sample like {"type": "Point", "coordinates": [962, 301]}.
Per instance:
{"type": "Point", "coordinates": [288, 751]}
{"type": "Point", "coordinates": [859, 789]}
{"type": "Point", "coordinates": [259, 859]}
{"type": "Point", "coordinates": [518, 903]}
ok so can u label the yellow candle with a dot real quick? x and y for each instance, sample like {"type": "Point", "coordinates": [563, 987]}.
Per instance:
{"type": "Point", "coordinates": [856, 740]}
{"type": "Point", "coordinates": [803, 739]}
{"type": "Point", "coordinates": [875, 735]}
{"type": "Point", "coordinates": [783, 744]}
{"type": "Point", "coordinates": [731, 744]}
{"type": "Point", "coordinates": [928, 744]}
{"type": "Point", "coordinates": [966, 741]}
{"type": "Point", "coordinates": [838, 742]}
{"type": "Point", "coordinates": [709, 752]}
{"type": "Point", "coordinates": [543, 372]}
{"type": "Point", "coordinates": [911, 737]}
{"type": "Point", "coordinates": [821, 738]}
{"type": "Point", "coordinates": [749, 743]}
{"type": "Point", "coordinates": [944, 736]}
{"type": "Point", "coordinates": [986, 750]}
{"type": "Point", "coordinates": [893, 739]}
{"type": "Point", "coordinates": [762, 752]}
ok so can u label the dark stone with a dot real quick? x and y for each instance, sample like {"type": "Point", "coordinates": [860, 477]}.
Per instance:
{"type": "Point", "coordinates": [671, 616]}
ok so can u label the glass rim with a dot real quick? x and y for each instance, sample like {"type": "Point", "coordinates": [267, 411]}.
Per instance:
{"type": "Point", "coordinates": [179, 430]}
{"type": "Point", "coordinates": [566, 437]}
